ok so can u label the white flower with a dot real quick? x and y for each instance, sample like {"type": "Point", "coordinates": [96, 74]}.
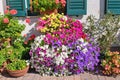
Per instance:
{"type": "Point", "coordinates": [84, 50]}
{"type": "Point", "coordinates": [42, 53]}
{"type": "Point", "coordinates": [64, 48]}
{"type": "Point", "coordinates": [46, 46]}
{"type": "Point", "coordinates": [86, 43]}
{"type": "Point", "coordinates": [65, 18]}
{"type": "Point", "coordinates": [81, 40]}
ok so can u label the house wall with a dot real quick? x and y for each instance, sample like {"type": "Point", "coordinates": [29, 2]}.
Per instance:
{"type": "Point", "coordinates": [2, 6]}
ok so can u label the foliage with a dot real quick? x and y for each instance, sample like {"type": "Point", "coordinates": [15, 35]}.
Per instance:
{"type": "Point", "coordinates": [9, 25]}
{"type": "Point", "coordinates": [104, 30]}
{"type": "Point", "coordinates": [111, 63]}
{"type": "Point", "coordinates": [17, 65]}
{"type": "Point", "coordinates": [2, 59]}
{"type": "Point", "coordinates": [63, 48]}
{"type": "Point", "coordinates": [43, 5]}
{"type": "Point", "coordinates": [18, 50]}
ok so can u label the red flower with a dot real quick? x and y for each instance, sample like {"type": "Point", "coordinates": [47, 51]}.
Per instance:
{"type": "Point", "coordinates": [31, 37]}
{"type": "Point", "coordinates": [6, 20]}
{"type": "Point", "coordinates": [84, 36]}
{"type": "Point", "coordinates": [27, 20]}
{"type": "Point", "coordinates": [6, 11]}
{"type": "Point", "coordinates": [13, 12]}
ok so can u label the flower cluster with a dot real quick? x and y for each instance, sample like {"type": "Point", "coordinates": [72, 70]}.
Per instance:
{"type": "Point", "coordinates": [64, 49]}
{"type": "Point", "coordinates": [46, 5]}
{"type": "Point", "coordinates": [53, 22]}
{"type": "Point", "coordinates": [111, 63]}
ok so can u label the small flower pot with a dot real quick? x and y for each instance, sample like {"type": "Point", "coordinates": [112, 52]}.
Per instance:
{"type": "Point", "coordinates": [18, 73]}
{"type": "Point", "coordinates": [49, 12]}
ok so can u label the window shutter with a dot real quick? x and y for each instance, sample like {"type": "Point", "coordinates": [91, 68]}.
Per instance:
{"type": "Point", "coordinates": [113, 6]}
{"type": "Point", "coordinates": [76, 7]}
{"type": "Point", "coordinates": [19, 5]}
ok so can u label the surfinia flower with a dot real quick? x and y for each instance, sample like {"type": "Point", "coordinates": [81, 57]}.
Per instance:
{"type": "Point", "coordinates": [62, 48]}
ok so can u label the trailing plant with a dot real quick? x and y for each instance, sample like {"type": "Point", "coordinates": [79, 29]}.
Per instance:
{"type": "Point", "coordinates": [62, 48]}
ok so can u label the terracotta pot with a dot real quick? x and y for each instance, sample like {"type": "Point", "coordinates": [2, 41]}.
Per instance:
{"type": "Point", "coordinates": [2, 69]}
{"type": "Point", "coordinates": [49, 12]}
{"type": "Point", "coordinates": [18, 73]}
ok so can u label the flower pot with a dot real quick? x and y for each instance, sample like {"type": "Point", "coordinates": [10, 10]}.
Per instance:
{"type": "Point", "coordinates": [18, 73]}
{"type": "Point", "coordinates": [49, 12]}
{"type": "Point", "coordinates": [2, 69]}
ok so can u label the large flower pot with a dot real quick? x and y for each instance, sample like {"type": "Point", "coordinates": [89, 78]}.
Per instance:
{"type": "Point", "coordinates": [18, 73]}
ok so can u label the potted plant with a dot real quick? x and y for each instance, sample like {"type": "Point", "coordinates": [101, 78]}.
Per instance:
{"type": "Point", "coordinates": [48, 6]}
{"type": "Point", "coordinates": [17, 68]}
{"type": "Point", "coordinates": [10, 28]}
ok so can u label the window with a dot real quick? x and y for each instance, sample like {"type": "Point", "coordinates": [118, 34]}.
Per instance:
{"type": "Point", "coordinates": [76, 7]}
{"type": "Point", "coordinates": [113, 6]}
{"type": "Point", "coordinates": [22, 6]}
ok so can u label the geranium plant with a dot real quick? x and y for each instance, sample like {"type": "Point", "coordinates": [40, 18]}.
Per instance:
{"type": "Point", "coordinates": [63, 48]}
{"type": "Point", "coordinates": [9, 25]}
{"type": "Point", "coordinates": [43, 5]}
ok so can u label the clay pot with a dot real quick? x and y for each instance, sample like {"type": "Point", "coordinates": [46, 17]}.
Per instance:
{"type": "Point", "coordinates": [49, 12]}
{"type": "Point", "coordinates": [18, 73]}
{"type": "Point", "coordinates": [2, 69]}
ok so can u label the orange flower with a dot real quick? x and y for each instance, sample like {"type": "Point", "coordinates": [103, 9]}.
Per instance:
{"type": "Point", "coordinates": [107, 67]}
{"type": "Point", "coordinates": [13, 12]}
{"type": "Point", "coordinates": [6, 20]}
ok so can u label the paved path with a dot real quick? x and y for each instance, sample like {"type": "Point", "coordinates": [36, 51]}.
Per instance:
{"type": "Point", "coordinates": [36, 76]}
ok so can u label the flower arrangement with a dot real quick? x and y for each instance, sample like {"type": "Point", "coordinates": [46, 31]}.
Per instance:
{"type": "Point", "coordinates": [63, 48]}
{"type": "Point", "coordinates": [44, 5]}
{"type": "Point", "coordinates": [111, 63]}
